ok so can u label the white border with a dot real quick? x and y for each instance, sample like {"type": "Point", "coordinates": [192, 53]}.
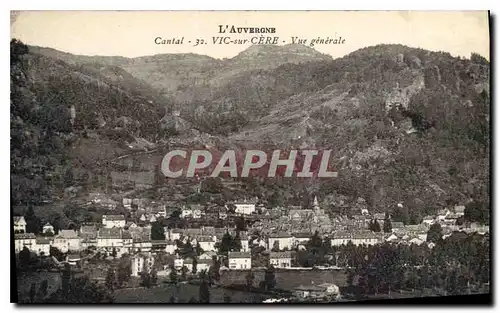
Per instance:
{"type": "Point", "coordinates": [206, 5]}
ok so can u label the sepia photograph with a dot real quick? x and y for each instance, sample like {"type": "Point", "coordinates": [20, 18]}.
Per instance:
{"type": "Point", "coordinates": [257, 157]}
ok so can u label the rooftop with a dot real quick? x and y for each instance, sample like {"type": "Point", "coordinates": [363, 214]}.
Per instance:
{"type": "Point", "coordinates": [113, 217]}
{"type": "Point", "coordinates": [280, 255]}
{"type": "Point", "coordinates": [67, 234]}
{"type": "Point", "coordinates": [25, 236]}
{"type": "Point", "coordinates": [239, 255]}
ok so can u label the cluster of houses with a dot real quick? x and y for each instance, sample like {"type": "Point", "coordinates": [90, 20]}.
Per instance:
{"type": "Point", "coordinates": [279, 231]}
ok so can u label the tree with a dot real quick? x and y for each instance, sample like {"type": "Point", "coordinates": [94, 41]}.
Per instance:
{"type": "Point", "coordinates": [375, 226]}
{"type": "Point", "coordinates": [193, 300]}
{"type": "Point", "coordinates": [56, 253]}
{"type": "Point", "coordinates": [33, 293]}
{"type": "Point", "coordinates": [226, 244]}
{"type": "Point", "coordinates": [33, 223]}
{"type": "Point", "coordinates": [199, 251]}
{"type": "Point", "coordinates": [66, 279]}
{"type": "Point", "coordinates": [145, 279]}
{"type": "Point", "coordinates": [24, 257]}
{"type": "Point", "coordinates": [213, 271]}
{"type": "Point", "coordinates": [270, 278]}
{"type": "Point", "coordinates": [276, 246]}
{"type": "Point", "coordinates": [81, 290]}
{"type": "Point", "coordinates": [173, 276]}
{"type": "Point", "coordinates": [110, 279]}
{"type": "Point", "coordinates": [249, 279]}
{"type": "Point", "coordinates": [387, 223]}
{"type": "Point", "coordinates": [195, 265]}
{"type": "Point", "coordinates": [236, 242]}
{"type": "Point", "coordinates": [124, 272]}
{"type": "Point", "coordinates": [154, 276]}
{"type": "Point", "coordinates": [43, 290]}
{"type": "Point", "coordinates": [477, 211]}
{"type": "Point", "coordinates": [231, 208]}
{"type": "Point", "coordinates": [184, 271]}
{"type": "Point", "coordinates": [240, 224]}
{"type": "Point", "coordinates": [157, 232]}
{"type": "Point", "coordinates": [435, 233]}
{"type": "Point", "coordinates": [17, 49]}
{"type": "Point", "coordinates": [204, 291]}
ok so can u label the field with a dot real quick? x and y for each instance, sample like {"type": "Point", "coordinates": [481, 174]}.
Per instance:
{"type": "Point", "coordinates": [183, 292]}
{"type": "Point", "coordinates": [288, 279]}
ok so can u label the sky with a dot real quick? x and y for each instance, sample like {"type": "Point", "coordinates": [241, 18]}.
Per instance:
{"type": "Point", "coordinates": [133, 33]}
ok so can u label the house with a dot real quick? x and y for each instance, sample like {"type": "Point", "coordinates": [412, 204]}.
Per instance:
{"type": "Point", "coordinates": [142, 262]}
{"type": "Point", "coordinates": [197, 213]}
{"type": "Point", "coordinates": [200, 265]}
{"type": "Point", "coordinates": [301, 238]}
{"type": "Point", "coordinates": [244, 207]}
{"type": "Point", "coordinates": [281, 240]}
{"type": "Point", "coordinates": [330, 289]}
{"type": "Point", "coordinates": [151, 218]}
{"type": "Point", "coordinates": [73, 259]}
{"type": "Point", "coordinates": [428, 220]}
{"type": "Point", "coordinates": [170, 247]}
{"type": "Point", "coordinates": [178, 263]}
{"type": "Point", "coordinates": [47, 229]}
{"type": "Point", "coordinates": [222, 215]}
{"type": "Point", "coordinates": [42, 246]}
{"type": "Point", "coordinates": [240, 260]}
{"type": "Point", "coordinates": [459, 210]}
{"type": "Point", "coordinates": [127, 203]}
{"type": "Point", "coordinates": [142, 244]}
{"type": "Point", "coordinates": [110, 238]}
{"type": "Point", "coordinates": [159, 211]}
{"type": "Point", "coordinates": [416, 241]}
{"type": "Point", "coordinates": [128, 242]}
{"type": "Point", "coordinates": [186, 212]}
{"type": "Point", "coordinates": [130, 224]}
{"type": "Point", "coordinates": [392, 238]}
{"type": "Point", "coordinates": [441, 215]}
{"type": "Point", "coordinates": [203, 265]}
{"type": "Point", "coordinates": [207, 255]}
{"type": "Point", "coordinates": [356, 238]}
{"type": "Point", "coordinates": [158, 245]}
{"type": "Point", "coordinates": [22, 240]}
{"type": "Point", "coordinates": [315, 292]}
{"type": "Point", "coordinates": [244, 244]}
{"type": "Point", "coordinates": [110, 221]}
{"type": "Point", "coordinates": [281, 259]}
{"type": "Point", "coordinates": [451, 218]}
{"type": "Point", "coordinates": [67, 240]}
{"type": "Point", "coordinates": [88, 235]}
{"type": "Point", "coordinates": [19, 224]}
{"type": "Point", "coordinates": [207, 243]}
{"type": "Point", "coordinates": [397, 226]}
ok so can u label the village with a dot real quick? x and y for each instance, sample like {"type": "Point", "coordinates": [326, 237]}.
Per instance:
{"type": "Point", "coordinates": [278, 233]}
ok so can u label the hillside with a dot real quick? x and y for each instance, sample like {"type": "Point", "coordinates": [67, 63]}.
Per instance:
{"type": "Point", "coordinates": [406, 125]}
{"type": "Point", "coordinates": [397, 118]}
{"type": "Point", "coordinates": [68, 119]}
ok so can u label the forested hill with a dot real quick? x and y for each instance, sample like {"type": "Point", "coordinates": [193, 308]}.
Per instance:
{"type": "Point", "coordinates": [405, 124]}
{"type": "Point", "coordinates": [55, 106]}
